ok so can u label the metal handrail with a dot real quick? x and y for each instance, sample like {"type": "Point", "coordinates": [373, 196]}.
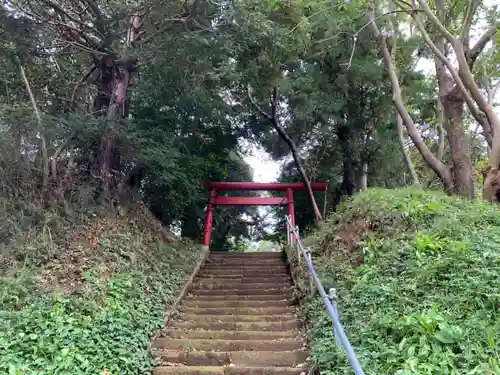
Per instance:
{"type": "Point", "coordinates": [328, 301]}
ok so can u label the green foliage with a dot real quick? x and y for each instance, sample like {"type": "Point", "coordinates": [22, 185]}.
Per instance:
{"type": "Point", "coordinates": [425, 298]}
{"type": "Point", "coordinates": [104, 323]}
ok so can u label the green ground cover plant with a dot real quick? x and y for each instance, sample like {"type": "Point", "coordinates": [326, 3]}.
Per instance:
{"type": "Point", "coordinates": [418, 276]}
{"type": "Point", "coordinates": [93, 308]}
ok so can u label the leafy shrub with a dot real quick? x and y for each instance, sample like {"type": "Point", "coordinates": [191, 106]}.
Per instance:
{"type": "Point", "coordinates": [426, 298]}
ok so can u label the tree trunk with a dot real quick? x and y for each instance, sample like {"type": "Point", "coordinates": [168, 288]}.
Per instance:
{"type": "Point", "coordinates": [349, 165]}
{"type": "Point", "coordinates": [115, 77]}
{"type": "Point", "coordinates": [302, 172]}
{"type": "Point", "coordinates": [363, 179]}
{"type": "Point", "coordinates": [464, 79]}
{"type": "Point", "coordinates": [273, 119]}
{"type": "Point", "coordinates": [450, 110]}
{"type": "Point", "coordinates": [441, 170]}
{"type": "Point", "coordinates": [190, 227]}
{"type": "Point", "coordinates": [491, 185]}
{"type": "Point", "coordinates": [108, 156]}
{"type": "Point", "coordinates": [463, 171]}
{"type": "Point", "coordinates": [409, 164]}
{"type": "Point", "coordinates": [440, 125]}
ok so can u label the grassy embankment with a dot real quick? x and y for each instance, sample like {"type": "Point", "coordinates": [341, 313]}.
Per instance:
{"type": "Point", "coordinates": [418, 276]}
{"type": "Point", "coordinates": [83, 294]}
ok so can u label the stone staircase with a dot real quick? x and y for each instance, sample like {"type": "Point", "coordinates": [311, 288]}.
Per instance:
{"type": "Point", "coordinates": [238, 318]}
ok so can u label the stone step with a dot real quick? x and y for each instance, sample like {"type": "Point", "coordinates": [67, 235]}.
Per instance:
{"type": "Point", "coordinates": [241, 358]}
{"type": "Point", "coordinates": [252, 261]}
{"type": "Point", "coordinates": [246, 263]}
{"type": "Point", "coordinates": [237, 297]}
{"type": "Point", "coordinates": [236, 318]}
{"type": "Point", "coordinates": [226, 370]}
{"type": "Point", "coordinates": [209, 284]}
{"type": "Point", "coordinates": [231, 254]}
{"type": "Point", "coordinates": [231, 334]}
{"type": "Point", "coordinates": [246, 273]}
{"type": "Point", "coordinates": [282, 270]}
{"type": "Point", "coordinates": [248, 266]}
{"type": "Point", "coordinates": [245, 278]}
{"type": "Point", "coordinates": [211, 303]}
{"type": "Point", "coordinates": [227, 345]}
{"type": "Point", "coordinates": [266, 326]}
{"type": "Point", "coordinates": [237, 310]}
{"type": "Point", "coordinates": [285, 292]}
{"type": "Point", "coordinates": [243, 275]}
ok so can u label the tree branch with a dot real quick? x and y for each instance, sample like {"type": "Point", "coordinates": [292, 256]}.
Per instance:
{"type": "Point", "coordinates": [492, 92]}
{"type": "Point", "coordinates": [273, 119]}
{"type": "Point", "coordinates": [440, 123]}
{"type": "Point", "coordinates": [469, 16]}
{"type": "Point", "coordinates": [469, 99]}
{"type": "Point", "coordinates": [476, 50]}
{"type": "Point", "coordinates": [79, 83]}
{"type": "Point", "coordinates": [257, 107]}
{"type": "Point", "coordinates": [435, 21]}
{"type": "Point", "coordinates": [162, 30]}
{"type": "Point", "coordinates": [437, 166]}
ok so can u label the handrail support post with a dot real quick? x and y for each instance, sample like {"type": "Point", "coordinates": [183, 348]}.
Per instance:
{"type": "Point", "coordinates": [332, 295]}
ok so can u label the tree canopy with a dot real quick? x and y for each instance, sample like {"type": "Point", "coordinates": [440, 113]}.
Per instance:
{"type": "Point", "coordinates": [98, 98]}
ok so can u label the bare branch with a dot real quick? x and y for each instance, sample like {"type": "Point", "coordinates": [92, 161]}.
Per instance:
{"type": "Point", "coordinates": [469, 16]}
{"type": "Point", "coordinates": [257, 107]}
{"type": "Point", "coordinates": [476, 50]}
{"type": "Point", "coordinates": [83, 47]}
{"type": "Point", "coordinates": [65, 14]}
{"type": "Point", "coordinates": [355, 38]}
{"type": "Point", "coordinates": [40, 126]}
{"type": "Point", "coordinates": [440, 123]}
{"type": "Point", "coordinates": [79, 83]}
{"type": "Point", "coordinates": [273, 119]}
{"type": "Point", "coordinates": [492, 92]}
{"type": "Point", "coordinates": [435, 21]}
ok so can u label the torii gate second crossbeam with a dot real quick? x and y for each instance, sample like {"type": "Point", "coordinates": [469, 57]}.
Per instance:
{"type": "Point", "coordinates": [287, 200]}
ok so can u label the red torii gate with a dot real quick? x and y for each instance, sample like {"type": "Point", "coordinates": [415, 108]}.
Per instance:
{"type": "Point", "coordinates": [214, 200]}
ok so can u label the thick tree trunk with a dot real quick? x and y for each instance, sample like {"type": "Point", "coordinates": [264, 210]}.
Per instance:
{"type": "Point", "coordinates": [115, 77]}
{"type": "Point", "coordinates": [349, 183]}
{"type": "Point", "coordinates": [464, 79]}
{"type": "Point", "coordinates": [491, 185]}
{"type": "Point", "coordinates": [108, 156]}
{"type": "Point", "coordinates": [463, 171]}
{"type": "Point", "coordinates": [349, 165]}
{"type": "Point", "coordinates": [450, 110]}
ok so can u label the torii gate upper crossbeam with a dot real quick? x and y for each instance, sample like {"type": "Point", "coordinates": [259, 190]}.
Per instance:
{"type": "Point", "coordinates": [263, 186]}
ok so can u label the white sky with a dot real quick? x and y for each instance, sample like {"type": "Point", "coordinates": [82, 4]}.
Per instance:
{"type": "Point", "coordinates": [265, 169]}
